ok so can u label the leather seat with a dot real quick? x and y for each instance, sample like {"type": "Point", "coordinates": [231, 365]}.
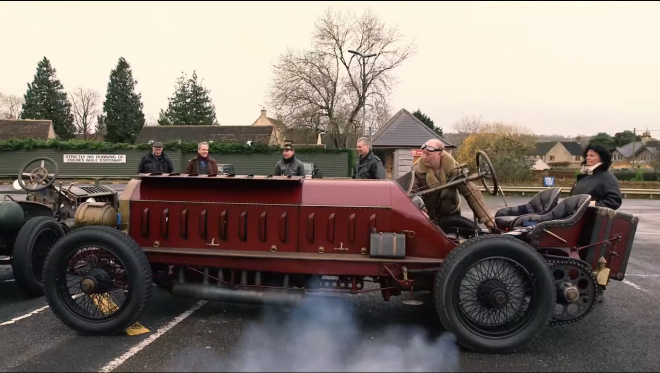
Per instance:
{"type": "Point", "coordinates": [566, 214]}
{"type": "Point", "coordinates": [542, 203]}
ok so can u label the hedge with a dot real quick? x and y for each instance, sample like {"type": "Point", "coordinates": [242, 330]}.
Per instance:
{"type": "Point", "coordinates": [629, 176]}
{"type": "Point", "coordinates": [186, 147]}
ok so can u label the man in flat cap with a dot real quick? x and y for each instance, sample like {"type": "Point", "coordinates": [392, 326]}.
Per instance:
{"type": "Point", "coordinates": [289, 165]}
{"type": "Point", "coordinates": [156, 161]}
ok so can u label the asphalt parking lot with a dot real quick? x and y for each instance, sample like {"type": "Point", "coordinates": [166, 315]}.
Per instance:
{"type": "Point", "coordinates": [354, 333]}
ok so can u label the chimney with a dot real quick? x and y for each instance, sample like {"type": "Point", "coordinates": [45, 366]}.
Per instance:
{"type": "Point", "coordinates": [263, 113]}
{"type": "Point", "coordinates": [646, 137]}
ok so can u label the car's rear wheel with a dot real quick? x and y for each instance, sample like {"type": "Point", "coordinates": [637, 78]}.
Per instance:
{"type": "Point", "coordinates": [495, 293]}
{"type": "Point", "coordinates": [97, 280]}
{"type": "Point", "coordinates": [33, 243]}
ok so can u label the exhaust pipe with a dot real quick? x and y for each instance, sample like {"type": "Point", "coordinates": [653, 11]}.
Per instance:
{"type": "Point", "coordinates": [220, 294]}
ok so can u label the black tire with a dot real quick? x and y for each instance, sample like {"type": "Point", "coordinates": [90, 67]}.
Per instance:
{"type": "Point", "coordinates": [126, 252]}
{"type": "Point", "coordinates": [513, 255]}
{"type": "Point", "coordinates": [458, 225]}
{"type": "Point", "coordinates": [42, 232]}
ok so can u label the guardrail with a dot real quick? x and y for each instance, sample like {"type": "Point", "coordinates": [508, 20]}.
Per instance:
{"type": "Point", "coordinates": [534, 190]}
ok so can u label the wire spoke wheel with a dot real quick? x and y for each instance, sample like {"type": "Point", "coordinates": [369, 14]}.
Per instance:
{"type": "Point", "coordinates": [33, 243]}
{"type": "Point", "coordinates": [494, 297]}
{"type": "Point", "coordinates": [495, 293]}
{"type": "Point", "coordinates": [42, 246]}
{"type": "Point", "coordinates": [95, 284]}
{"type": "Point", "coordinates": [97, 280]}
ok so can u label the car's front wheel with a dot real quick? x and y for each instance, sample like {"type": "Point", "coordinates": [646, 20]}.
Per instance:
{"type": "Point", "coordinates": [97, 280]}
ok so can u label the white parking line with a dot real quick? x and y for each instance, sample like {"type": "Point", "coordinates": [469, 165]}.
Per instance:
{"type": "Point", "coordinates": [632, 284]}
{"type": "Point", "coordinates": [24, 316]}
{"type": "Point", "coordinates": [120, 360]}
{"type": "Point", "coordinates": [31, 313]}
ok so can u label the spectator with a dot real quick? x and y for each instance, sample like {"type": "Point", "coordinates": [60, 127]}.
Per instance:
{"type": "Point", "coordinates": [368, 166]}
{"type": "Point", "coordinates": [596, 180]}
{"type": "Point", "coordinates": [289, 165]}
{"type": "Point", "coordinates": [202, 164]}
{"type": "Point", "coordinates": [156, 161]}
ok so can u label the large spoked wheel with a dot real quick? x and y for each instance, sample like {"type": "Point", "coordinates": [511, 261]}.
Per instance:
{"type": "Point", "coordinates": [33, 243]}
{"type": "Point", "coordinates": [486, 169]}
{"type": "Point", "coordinates": [97, 280]}
{"type": "Point", "coordinates": [495, 293]}
{"type": "Point", "coordinates": [38, 175]}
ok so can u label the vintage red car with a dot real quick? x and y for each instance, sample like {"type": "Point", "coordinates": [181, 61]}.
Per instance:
{"type": "Point", "coordinates": [265, 239]}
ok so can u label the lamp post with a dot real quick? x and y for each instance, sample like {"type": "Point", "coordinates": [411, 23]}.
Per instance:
{"type": "Point", "coordinates": [364, 104]}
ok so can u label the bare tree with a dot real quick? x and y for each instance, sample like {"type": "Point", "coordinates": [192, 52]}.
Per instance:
{"type": "Point", "coordinates": [467, 126]}
{"type": "Point", "coordinates": [305, 90]}
{"type": "Point", "coordinates": [11, 106]}
{"type": "Point", "coordinates": [85, 111]}
{"type": "Point", "coordinates": [150, 120]}
{"type": "Point", "coordinates": [334, 83]}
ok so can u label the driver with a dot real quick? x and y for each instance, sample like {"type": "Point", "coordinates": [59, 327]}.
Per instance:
{"type": "Point", "coordinates": [437, 166]}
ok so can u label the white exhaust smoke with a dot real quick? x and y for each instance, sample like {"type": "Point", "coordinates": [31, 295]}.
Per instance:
{"type": "Point", "coordinates": [324, 335]}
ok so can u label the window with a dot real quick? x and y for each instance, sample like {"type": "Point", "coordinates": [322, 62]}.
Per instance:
{"type": "Point", "coordinates": [552, 158]}
{"type": "Point", "coordinates": [578, 158]}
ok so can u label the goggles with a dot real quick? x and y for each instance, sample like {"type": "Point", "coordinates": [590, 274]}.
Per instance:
{"type": "Point", "coordinates": [430, 148]}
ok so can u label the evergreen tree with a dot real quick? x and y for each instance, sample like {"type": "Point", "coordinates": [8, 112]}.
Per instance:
{"type": "Point", "coordinates": [124, 118]}
{"type": "Point", "coordinates": [604, 139]}
{"type": "Point", "coordinates": [46, 99]}
{"type": "Point", "coordinates": [100, 125]}
{"type": "Point", "coordinates": [190, 105]}
{"type": "Point", "coordinates": [426, 120]}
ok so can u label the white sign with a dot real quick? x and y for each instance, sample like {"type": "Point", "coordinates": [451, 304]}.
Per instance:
{"type": "Point", "coordinates": [94, 158]}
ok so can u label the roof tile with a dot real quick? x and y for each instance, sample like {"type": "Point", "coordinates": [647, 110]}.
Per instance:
{"type": "Point", "coordinates": [221, 134]}
{"type": "Point", "coordinates": [404, 130]}
{"type": "Point", "coordinates": [24, 128]}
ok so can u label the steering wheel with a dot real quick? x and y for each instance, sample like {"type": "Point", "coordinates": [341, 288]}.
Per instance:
{"type": "Point", "coordinates": [38, 175]}
{"type": "Point", "coordinates": [487, 171]}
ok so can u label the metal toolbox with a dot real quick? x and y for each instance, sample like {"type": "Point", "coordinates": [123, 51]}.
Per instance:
{"type": "Point", "coordinates": [387, 245]}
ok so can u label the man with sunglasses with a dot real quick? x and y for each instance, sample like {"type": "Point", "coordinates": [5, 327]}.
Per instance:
{"type": "Point", "coordinates": [436, 167]}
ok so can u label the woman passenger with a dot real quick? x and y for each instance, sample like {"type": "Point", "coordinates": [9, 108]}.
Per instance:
{"type": "Point", "coordinates": [596, 180]}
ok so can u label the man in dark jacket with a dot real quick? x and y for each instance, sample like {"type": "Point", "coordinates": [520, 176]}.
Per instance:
{"type": "Point", "coordinates": [202, 164]}
{"type": "Point", "coordinates": [156, 161]}
{"type": "Point", "coordinates": [368, 166]}
{"type": "Point", "coordinates": [289, 165]}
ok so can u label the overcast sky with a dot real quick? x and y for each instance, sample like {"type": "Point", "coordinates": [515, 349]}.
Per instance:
{"type": "Point", "coordinates": [564, 68]}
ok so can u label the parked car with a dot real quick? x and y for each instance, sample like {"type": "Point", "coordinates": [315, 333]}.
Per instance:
{"type": "Point", "coordinates": [312, 170]}
{"type": "Point", "coordinates": [224, 168]}
{"type": "Point", "coordinates": [30, 228]}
